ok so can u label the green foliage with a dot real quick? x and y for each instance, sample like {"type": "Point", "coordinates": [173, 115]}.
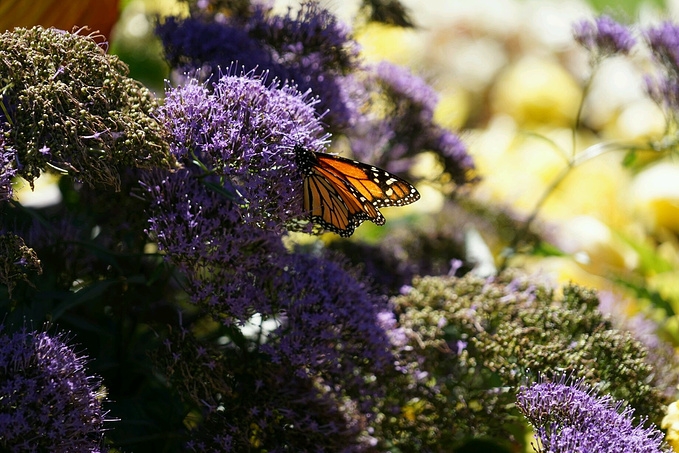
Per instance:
{"type": "Point", "coordinates": [477, 340]}
{"type": "Point", "coordinates": [629, 7]}
{"type": "Point", "coordinates": [71, 107]}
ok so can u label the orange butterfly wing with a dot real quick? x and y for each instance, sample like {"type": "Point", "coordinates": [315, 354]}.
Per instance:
{"type": "Point", "coordinates": [341, 193]}
{"type": "Point", "coordinates": [378, 186]}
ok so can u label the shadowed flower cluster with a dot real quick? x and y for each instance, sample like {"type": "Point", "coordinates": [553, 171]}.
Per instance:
{"type": "Point", "coordinates": [17, 261]}
{"type": "Point", "coordinates": [69, 106]}
{"type": "Point", "coordinates": [309, 48]}
{"type": "Point", "coordinates": [571, 417]}
{"type": "Point", "coordinates": [7, 168]}
{"type": "Point", "coordinates": [311, 379]}
{"type": "Point", "coordinates": [250, 403]}
{"type": "Point", "coordinates": [48, 402]}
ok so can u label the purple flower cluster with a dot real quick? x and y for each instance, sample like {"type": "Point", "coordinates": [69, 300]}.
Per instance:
{"type": "Point", "coordinates": [220, 217]}
{"type": "Point", "coordinates": [407, 126]}
{"type": "Point", "coordinates": [194, 43]}
{"type": "Point", "coordinates": [309, 48]}
{"type": "Point", "coordinates": [315, 51]}
{"type": "Point", "coordinates": [571, 417]}
{"type": "Point", "coordinates": [663, 41]}
{"type": "Point", "coordinates": [230, 249]}
{"type": "Point", "coordinates": [244, 132]}
{"type": "Point", "coordinates": [47, 400]}
{"type": "Point", "coordinates": [311, 36]}
{"type": "Point", "coordinates": [332, 324]}
{"type": "Point", "coordinates": [604, 36]}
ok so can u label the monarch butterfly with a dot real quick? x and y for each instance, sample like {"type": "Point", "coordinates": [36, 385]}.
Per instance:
{"type": "Point", "coordinates": [341, 193]}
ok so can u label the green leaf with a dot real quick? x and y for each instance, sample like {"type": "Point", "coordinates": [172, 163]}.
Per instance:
{"type": "Point", "coordinates": [628, 7]}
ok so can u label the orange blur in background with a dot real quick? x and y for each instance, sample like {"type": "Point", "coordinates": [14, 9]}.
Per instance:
{"type": "Point", "coordinates": [98, 15]}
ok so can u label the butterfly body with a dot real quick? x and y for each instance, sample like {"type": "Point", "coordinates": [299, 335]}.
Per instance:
{"type": "Point", "coordinates": [340, 193]}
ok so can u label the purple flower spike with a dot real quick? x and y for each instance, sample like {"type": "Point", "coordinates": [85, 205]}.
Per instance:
{"type": "Point", "coordinates": [571, 417]}
{"type": "Point", "coordinates": [47, 400]}
{"type": "Point", "coordinates": [604, 36]}
{"type": "Point", "coordinates": [407, 127]}
{"type": "Point", "coordinates": [663, 87]}
{"type": "Point", "coordinates": [404, 84]}
{"type": "Point", "coordinates": [664, 43]}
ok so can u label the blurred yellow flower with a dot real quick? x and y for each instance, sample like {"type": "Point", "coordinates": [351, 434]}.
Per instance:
{"type": "Point", "coordinates": [518, 169]}
{"type": "Point", "coordinates": [386, 42]}
{"type": "Point", "coordinates": [452, 111]}
{"type": "Point", "coordinates": [655, 197]}
{"type": "Point", "coordinates": [537, 91]}
{"type": "Point", "coordinates": [671, 424]}
{"type": "Point", "coordinates": [595, 247]}
{"type": "Point", "coordinates": [515, 169]}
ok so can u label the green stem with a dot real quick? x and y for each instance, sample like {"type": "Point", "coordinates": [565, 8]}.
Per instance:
{"type": "Point", "coordinates": [578, 115]}
{"type": "Point", "coordinates": [571, 162]}
{"type": "Point", "coordinates": [590, 153]}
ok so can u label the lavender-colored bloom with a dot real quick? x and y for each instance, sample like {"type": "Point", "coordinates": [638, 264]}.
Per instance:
{"type": "Point", "coordinates": [664, 90]}
{"type": "Point", "coordinates": [227, 214]}
{"type": "Point", "coordinates": [401, 83]}
{"type": "Point", "coordinates": [664, 43]}
{"type": "Point", "coordinates": [47, 402]}
{"type": "Point", "coordinates": [604, 36]}
{"type": "Point", "coordinates": [397, 335]}
{"type": "Point", "coordinates": [244, 132]}
{"type": "Point", "coordinates": [325, 306]}
{"type": "Point", "coordinates": [312, 31]}
{"type": "Point", "coordinates": [571, 417]}
{"type": "Point", "coordinates": [453, 153]}
{"type": "Point", "coordinates": [309, 48]}
{"type": "Point", "coordinates": [194, 44]}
